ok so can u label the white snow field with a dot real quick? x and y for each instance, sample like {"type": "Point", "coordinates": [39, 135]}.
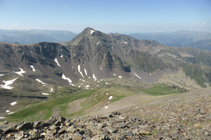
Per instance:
{"type": "Point", "coordinates": [85, 71]}
{"type": "Point", "coordinates": [8, 83]}
{"type": "Point", "coordinates": [80, 70]}
{"type": "Point", "coordinates": [110, 97]}
{"type": "Point", "coordinates": [51, 90]}
{"type": "Point", "coordinates": [38, 80]}
{"type": "Point", "coordinates": [137, 75]}
{"type": "Point", "coordinates": [57, 62]}
{"type": "Point", "coordinates": [68, 79]}
{"type": "Point", "coordinates": [11, 113]}
{"type": "Point", "coordinates": [13, 103]}
{"type": "Point", "coordinates": [20, 72]}
{"type": "Point", "coordinates": [94, 77]}
{"type": "Point", "coordinates": [46, 94]}
{"type": "Point", "coordinates": [33, 69]}
{"type": "Point", "coordinates": [91, 31]}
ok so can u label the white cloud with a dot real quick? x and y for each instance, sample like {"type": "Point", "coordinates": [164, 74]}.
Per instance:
{"type": "Point", "coordinates": [203, 24]}
{"type": "Point", "coordinates": [16, 24]}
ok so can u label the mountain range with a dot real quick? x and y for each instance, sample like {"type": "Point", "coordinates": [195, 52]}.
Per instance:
{"type": "Point", "coordinates": [35, 36]}
{"type": "Point", "coordinates": [92, 64]}
{"type": "Point", "coordinates": [183, 38]}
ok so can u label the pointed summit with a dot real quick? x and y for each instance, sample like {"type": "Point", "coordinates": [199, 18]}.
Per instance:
{"type": "Point", "coordinates": [86, 32]}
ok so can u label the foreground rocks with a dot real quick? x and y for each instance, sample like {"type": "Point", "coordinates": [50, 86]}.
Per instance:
{"type": "Point", "coordinates": [186, 116]}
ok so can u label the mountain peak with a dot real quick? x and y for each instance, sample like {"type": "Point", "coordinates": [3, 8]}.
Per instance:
{"type": "Point", "coordinates": [88, 30]}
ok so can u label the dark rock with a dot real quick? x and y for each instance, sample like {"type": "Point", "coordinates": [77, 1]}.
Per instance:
{"type": "Point", "coordinates": [25, 126]}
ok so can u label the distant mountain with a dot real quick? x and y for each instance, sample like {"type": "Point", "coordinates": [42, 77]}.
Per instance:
{"type": "Point", "coordinates": [177, 39]}
{"type": "Point", "coordinates": [201, 44]}
{"type": "Point", "coordinates": [35, 36]}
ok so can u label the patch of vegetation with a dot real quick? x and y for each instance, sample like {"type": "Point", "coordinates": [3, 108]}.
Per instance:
{"type": "Point", "coordinates": [195, 72]}
{"type": "Point", "coordinates": [146, 61]}
{"type": "Point", "coordinates": [100, 95]}
{"type": "Point", "coordinates": [43, 110]}
{"type": "Point", "coordinates": [161, 90]}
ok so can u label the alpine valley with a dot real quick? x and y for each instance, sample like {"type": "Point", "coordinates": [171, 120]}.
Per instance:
{"type": "Point", "coordinates": [96, 74]}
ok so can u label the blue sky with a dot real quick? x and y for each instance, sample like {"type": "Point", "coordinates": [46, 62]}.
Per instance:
{"type": "Point", "coordinates": [123, 16]}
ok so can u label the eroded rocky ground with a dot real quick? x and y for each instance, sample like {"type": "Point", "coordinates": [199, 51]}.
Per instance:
{"type": "Point", "coordinates": [184, 116]}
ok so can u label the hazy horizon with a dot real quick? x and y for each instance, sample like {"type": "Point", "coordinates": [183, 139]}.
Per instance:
{"type": "Point", "coordinates": [119, 16]}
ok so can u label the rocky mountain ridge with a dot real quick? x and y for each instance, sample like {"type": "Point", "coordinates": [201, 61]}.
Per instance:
{"type": "Point", "coordinates": [93, 64]}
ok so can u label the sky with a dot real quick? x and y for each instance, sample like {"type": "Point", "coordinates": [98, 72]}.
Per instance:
{"type": "Point", "coordinates": [122, 16]}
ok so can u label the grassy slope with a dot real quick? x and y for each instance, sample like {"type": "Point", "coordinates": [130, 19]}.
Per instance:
{"type": "Point", "coordinates": [43, 110]}
{"type": "Point", "coordinates": [160, 90]}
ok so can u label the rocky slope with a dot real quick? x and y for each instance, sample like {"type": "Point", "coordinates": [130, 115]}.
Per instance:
{"type": "Point", "coordinates": [184, 116]}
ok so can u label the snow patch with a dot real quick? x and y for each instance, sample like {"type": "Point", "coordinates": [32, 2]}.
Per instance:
{"type": "Point", "coordinates": [80, 70]}
{"type": "Point", "coordinates": [46, 94]}
{"type": "Point", "coordinates": [38, 80]}
{"type": "Point", "coordinates": [61, 55]}
{"type": "Point", "coordinates": [1, 74]}
{"type": "Point", "coordinates": [7, 111]}
{"type": "Point", "coordinates": [7, 83]}
{"type": "Point", "coordinates": [91, 31]}
{"type": "Point", "coordinates": [33, 69]}
{"type": "Point", "coordinates": [97, 85]}
{"type": "Point", "coordinates": [125, 42]}
{"type": "Point", "coordinates": [86, 87]}
{"type": "Point", "coordinates": [110, 97]}
{"type": "Point", "coordinates": [101, 68]}
{"type": "Point", "coordinates": [114, 74]}
{"type": "Point", "coordinates": [106, 83]}
{"type": "Point", "coordinates": [85, 71]}
{"type": "Point", "coordinates": [11, 113]}
{"type": "Point", "coordinates": [98, 43]}
{"type": "Point", "coordinates": [68, 79]}
{"type": "Point", "coordinates": [107, 93]}
{"type": "Point", "coordinates": [94, 77]}
{"type": "Point", "coordinates": [137, 75]}
{"type": "Point", "coordinates": [106, 107]}
{"type": "Point", "coordinates": [57, 62]}
{"type": "Point", "coordinates": [13, 103]}
{"type": "Point", "coordinates": [2, 117]}
{"type": "Point", "coordinates": [51, 90]}
{"type": "Point", "coordinates": [120, 76]}
{"type": "Point", "coordinates": [83, 80]}
{"type": "Point", "coordinates": [101, 79]}
{"type": "Point", "coordinates": [20, 72]}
